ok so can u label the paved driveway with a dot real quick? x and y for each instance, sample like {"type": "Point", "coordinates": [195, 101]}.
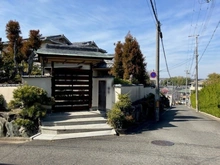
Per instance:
{"type": "Point", "coordinates": [182, 137]}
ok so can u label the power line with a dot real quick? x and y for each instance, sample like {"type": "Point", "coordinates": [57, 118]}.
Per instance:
{"type": "Point", "coordinates": [210, 40]}
{"type": "Point", "coordinates": [155, 6]}
{"type": "Point", "coordinates": [165, 55]}
{"type": "Point", "coordinates": [150, 10]}
{"type": "Point", "coordinates": [155, 15]}
{"type": "Point", "coordinates": [177, 65]}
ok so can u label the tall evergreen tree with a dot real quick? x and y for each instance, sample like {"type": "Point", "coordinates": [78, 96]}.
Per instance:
{"type": "Point", "coordinates": [34, 43]}
{"type": "Point", "coordinates": [129, 61]}
{"type": "Point", "coordinates": [133, 61]}
{"type": "Point", "coordinates": [15, 42]}
{"type": "Point", "coordinates": [117, 69]}
{"type": "Point", "coordinates": [127, 49]}
{"type": "Point", "coordinates": [137, 68]}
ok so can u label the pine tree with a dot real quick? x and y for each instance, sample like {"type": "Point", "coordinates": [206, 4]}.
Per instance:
{"type": "Point", "coordinates": [117, 69]}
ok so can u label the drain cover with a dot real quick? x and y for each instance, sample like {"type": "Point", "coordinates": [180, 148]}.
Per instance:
{"type": "Point", "coordinates": [162, 143]}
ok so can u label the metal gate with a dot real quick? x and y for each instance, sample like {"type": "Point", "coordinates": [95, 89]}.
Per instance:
{"type": "Point", "coordinates": [71, 89]}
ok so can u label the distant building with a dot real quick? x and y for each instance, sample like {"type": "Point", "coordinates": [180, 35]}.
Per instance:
{"type": "Point", "coordinates": [200, 85]}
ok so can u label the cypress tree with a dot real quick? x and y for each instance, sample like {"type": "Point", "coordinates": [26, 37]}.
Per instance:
{"type": "Point", "coordinates": [129, 61]}
{"type": "Point", "coordinates": [117, 69]}
{"type": "Point", "coordinates": [127, 48]}
{"type": "Point", "coordinates": [133, 61]}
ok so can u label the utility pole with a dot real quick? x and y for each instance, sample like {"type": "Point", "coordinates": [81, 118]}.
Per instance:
{"type": "Point", "coordinates": [157, 92]}
{"type": "Point", "coordinates": [196, 76]}
{"type": "Point", "coordinates": [187, 72]}
{"type": "Point", "coordinates": [157, 95]}
{"type": "Point", "coordinates": [197, 97]}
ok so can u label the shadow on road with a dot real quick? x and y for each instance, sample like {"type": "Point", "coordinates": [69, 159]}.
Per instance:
{"type": "Point", "coordinates": [174, 114]}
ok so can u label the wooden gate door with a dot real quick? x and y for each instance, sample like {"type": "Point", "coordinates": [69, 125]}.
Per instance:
{"type": "Point", "coordinates": [102, 95]}
{"type": "Point", "coordinates": [72, 89]}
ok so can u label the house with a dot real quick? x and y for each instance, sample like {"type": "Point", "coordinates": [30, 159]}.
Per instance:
{"type": "Point", "coordinates": [75, 74]}
{"type": "Point", "coordinates": [200, 85]}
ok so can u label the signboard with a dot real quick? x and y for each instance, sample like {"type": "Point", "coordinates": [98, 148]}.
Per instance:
{"type": "Point", "coordinates": [153, 75]}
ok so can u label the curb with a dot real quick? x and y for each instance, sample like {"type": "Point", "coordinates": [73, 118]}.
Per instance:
{"type": "Point", "coordinates": [207, 114]}
{"type": "Point", "coordinates": [14, 139]}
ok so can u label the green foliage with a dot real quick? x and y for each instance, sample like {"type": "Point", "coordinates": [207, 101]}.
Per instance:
{"type": "Point", "coordinates": [36, 70]}
{"type": "Point", "coordinates": [28, 124]}
{"type": "Point", "coordinates": [119, 116]}
{"type": "Point", "coordinates": [2, 99]}
{"type": "Point", "coordinates": [212, 79]}
{"type": "Point", "coordinates": [193, 99]}
{"type": "Point", "coordinates": [34, 112]}
{"type": "Point", "coordinates": [176, 81]}
{"type": "Point", "coordinates": [124, 102]}
{"type": "Point", "coordinates": [117, 69]}
{"type": "Point", "coordinates": [29, 95]}
{"type": "Point", "coordinates": [13, 104]}
{"type": "Point", "coordinates": [30, 116]}
{"type": "Point", "coordinates": [116, 117]}
{"type": "Point", "coordinates": [129, 62]}
{"type": "Point", "coordinates": [31, 98]}
{"type": "Point", "coordinates": [17, 52]}
{"type": "Point", "coordinates": [121, 81]}
{"type": "Point", "coordinates": [209, 98]}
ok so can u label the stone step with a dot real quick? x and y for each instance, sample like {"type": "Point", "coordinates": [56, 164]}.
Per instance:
{"type": "Point", "coordinates": [74, 125]}
{"type": "Point", "coordinates": [74, 128]}
{"type": "Point", "coordinates": [72, 115]}
{"type": "Point", "coordinates": [73, 135]}
{"type": "Point", "coordinates": [75, 121]}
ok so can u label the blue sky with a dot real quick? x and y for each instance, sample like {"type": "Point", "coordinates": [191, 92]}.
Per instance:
{"type": "Point", "coordinates": [108, 21]}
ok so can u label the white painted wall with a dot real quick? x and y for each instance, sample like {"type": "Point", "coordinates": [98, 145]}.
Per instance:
{"type": "Point", "coordinates": [109, 91]}
{"type": "Point", "coordinates": [39, 81]}
{"type": "Point", "coordinates": [136, 92]}
{"type": "Point", "coordinates": [7, 92]}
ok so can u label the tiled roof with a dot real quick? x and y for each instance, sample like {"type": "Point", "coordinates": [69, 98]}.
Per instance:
{"type": "Point", "coordinates": [73, 51]}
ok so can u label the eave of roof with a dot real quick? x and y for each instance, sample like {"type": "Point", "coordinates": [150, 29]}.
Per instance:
{"type": "Point", "coordinates": [71, 51]}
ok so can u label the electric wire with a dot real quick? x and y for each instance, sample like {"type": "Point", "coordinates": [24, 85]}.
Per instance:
{"type": "Point", "coordinates": [155, 7]}
{"type": "Point", "coordinates": [209, 40]}
{"type": "Point", "coordinates": [151, 12]}
{"type": "Point", "coordinates": [190, 41]}
{"type": "Point", "coordinates": [161, 38]}
{"type": "Point", "coordinates": [154, 12]}
{"type": "Point", "coordinates": [177, 65]}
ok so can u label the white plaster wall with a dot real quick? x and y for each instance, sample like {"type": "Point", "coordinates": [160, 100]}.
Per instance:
{"type": "Point", "coordinates": [7, 92]}
{"type": "Point", "coordinates": [42, 82]}
{"type": "Point", "coordinates": [109, 91]}
{"type": "Point", "coordinates": [136, 92]}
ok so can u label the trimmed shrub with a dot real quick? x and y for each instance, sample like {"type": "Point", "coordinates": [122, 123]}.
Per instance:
{"type": "Point", "coordinates": [32, 98]}
{"type": "Point", "coordinates": [1, 99]}
{"type": "Point", "coordinates": [124, 103]}
{"type": "Point", "coordinates": [116, 118]}
{"type": "Point", "coordinates": [121, 81]}
{"type": "Point", "coordinates": [2, 102]}
{"type": "Point", "coordinates": [29, 95]}
{"type": "Point", "coordinates": [120, 116]}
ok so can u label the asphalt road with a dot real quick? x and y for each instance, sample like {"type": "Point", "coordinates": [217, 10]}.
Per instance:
{"type": "Point", "coordinates": [182, 137]}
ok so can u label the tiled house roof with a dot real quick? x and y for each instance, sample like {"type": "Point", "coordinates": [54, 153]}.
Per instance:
{"type": "Point", "coordinates": [74, 50]}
